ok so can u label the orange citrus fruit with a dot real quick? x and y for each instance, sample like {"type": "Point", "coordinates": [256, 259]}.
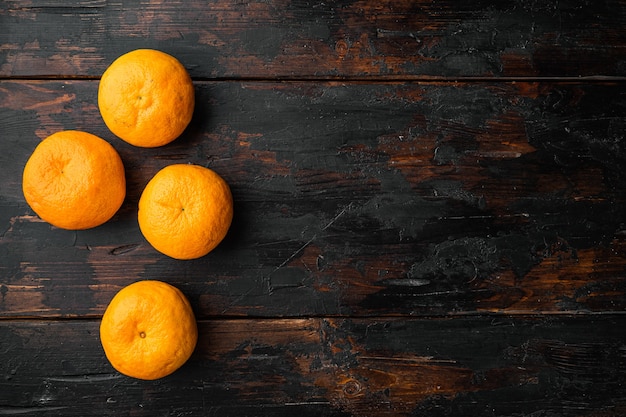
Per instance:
{"type": "Point", "coordinates": [185, 211]}
{"type": "Point", "coordinates": [146, 97]}
{"type": "Point", "coordinates": [148, 330]}
{"type": "Point", "coordinates": [74, 180]}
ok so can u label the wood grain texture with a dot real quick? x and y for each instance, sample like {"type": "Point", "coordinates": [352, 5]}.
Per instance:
{"type": "Point", "coordinates": [487, 366]}
{"type": "Point", "coordinates": [350, 199]}
{"type": "Point", "coordinates": [310, 39]}
{"type": "Point", "coordinates": [430, 208]}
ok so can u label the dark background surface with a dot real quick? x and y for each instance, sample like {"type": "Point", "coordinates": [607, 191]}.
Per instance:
{"type": "Point", "coordinates": [430, 208]}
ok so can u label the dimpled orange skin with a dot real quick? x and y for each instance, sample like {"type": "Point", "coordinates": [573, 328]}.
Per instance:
{"type": "Point", "coordinates": [148, 330]}
{"type": "Point", "coordinates": [185, 211]}
{"type": "Point", "coordinates": [74, 180]}
{"type": "Point", "coordinates": [146, 97]}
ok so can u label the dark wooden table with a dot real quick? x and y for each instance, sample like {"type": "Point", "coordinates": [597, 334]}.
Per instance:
{"type": "Point", "coordinates": [430, 205]}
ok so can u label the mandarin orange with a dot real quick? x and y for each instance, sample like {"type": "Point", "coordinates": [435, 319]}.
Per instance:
{"type": "Point", "coordinates": [146, 97]}
{"type": "Point", "coordinates": [148, 330]}
{"type": "Point", "coordinates": [74, 180]}
{"type": "Point", "coordinates": [185, 211]}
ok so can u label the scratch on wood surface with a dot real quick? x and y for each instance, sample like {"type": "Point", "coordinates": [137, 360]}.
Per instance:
{"type": "Point", "coordinates": [307, 403]}
{"type": "Point", "coordinates": [237, 300]}
{"type": "Point", "coordinates": [86, 378]}
{"type": "Point", "coordinates": [484, 216]}
{"type": "Point", "coordinates": [341, 213]}
{"type": "Point", "coordinates": [495, 154]}
{"type": "Point", "coordinates": [386, 33]}
{"type": "Point", "coordinates": [268, 279]}
{"type": "Point", "coordinates": [409, 282]}
{"type": "Point", "coordinates": [415, 359]}
{"type": "Point", "coordinates": [11, 411]}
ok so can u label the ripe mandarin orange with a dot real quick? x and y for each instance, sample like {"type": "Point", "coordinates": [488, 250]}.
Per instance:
{"type": "Point", "coordinates": [185, 211]}
{"type": "Point", "coordinates": [74, 180]}
{"type": "Point", "coordinates": [148, 330]}
{"type": "Point", "coordinates": [146, 97]}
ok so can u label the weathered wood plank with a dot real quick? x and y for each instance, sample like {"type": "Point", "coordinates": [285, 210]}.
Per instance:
{"type": "Point", "coordinates": [483, 366]}
{"type": "Point", "coordinates": [358, 199]}
{"type": "Point", "coordinates": [305, 39]}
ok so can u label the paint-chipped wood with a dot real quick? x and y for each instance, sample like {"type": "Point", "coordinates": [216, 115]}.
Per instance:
{"type": "Point", "coordinates": [363, 199]}
{"type": "Point", "coordinates": [430, 208]}
{"type": "Point", "coordinates": [494, 366]}
{"type": "Point", "coordinates": [327, 39]}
